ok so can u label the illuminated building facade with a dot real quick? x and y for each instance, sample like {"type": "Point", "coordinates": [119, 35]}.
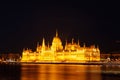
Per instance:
{"type": "Point", "coordinates": [72, 52]}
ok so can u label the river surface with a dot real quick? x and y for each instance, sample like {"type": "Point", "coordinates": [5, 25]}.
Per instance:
{"type": "Point", "coordinates": [59, 72]}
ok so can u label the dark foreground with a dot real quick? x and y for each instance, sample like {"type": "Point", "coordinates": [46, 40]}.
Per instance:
{"type": "Point", "coordinates": [58, 72]}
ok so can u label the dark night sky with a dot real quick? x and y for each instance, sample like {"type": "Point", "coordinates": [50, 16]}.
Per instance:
{"type": "Point", "coordinates": [23, 24]}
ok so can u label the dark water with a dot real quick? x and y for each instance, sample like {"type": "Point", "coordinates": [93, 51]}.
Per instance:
{"type": "Point", "coordinates": [59, 72]}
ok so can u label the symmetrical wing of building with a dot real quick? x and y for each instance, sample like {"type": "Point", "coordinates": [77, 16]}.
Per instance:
{"type": "Point", "coordinates": [71, 52]}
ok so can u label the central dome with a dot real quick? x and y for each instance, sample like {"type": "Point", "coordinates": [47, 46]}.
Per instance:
{"type": "Point", "coordinates": [56, 40]}
{"type": "Point", "coordinates": [56, 43]}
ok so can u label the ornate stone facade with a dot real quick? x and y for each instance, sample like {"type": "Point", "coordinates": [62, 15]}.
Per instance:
{"type": "Point", "coordinates": [72, 52]}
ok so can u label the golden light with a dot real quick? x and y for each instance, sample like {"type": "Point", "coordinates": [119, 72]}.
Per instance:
{"type": "Point", "coordinates": [72, 53]}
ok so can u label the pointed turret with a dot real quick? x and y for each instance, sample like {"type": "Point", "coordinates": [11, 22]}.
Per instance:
{"type": "Point", "coordinates": [78, 42]}
{"type": "Point", "coordinates": [24, 49]}
{"type": "Point", "coordinates": [37, 44]}
{"type": "Point", "coordinates": [84, 45]}
{"type": "Point", "coordinates": [43, 42]}
{"type": "Point", "coordinates": [38, 47]}
{"type": "Point", "coordinates": [97, 48]}
{"type": "Point", "coordinates": [72, 40]}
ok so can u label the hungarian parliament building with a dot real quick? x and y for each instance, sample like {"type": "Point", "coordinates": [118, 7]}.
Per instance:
{"type": "Point", "coordinates": [71, 52]}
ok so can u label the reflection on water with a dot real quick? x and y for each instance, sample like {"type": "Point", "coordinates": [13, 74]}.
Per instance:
{"type": "Point", "coordinates": [59, 72]}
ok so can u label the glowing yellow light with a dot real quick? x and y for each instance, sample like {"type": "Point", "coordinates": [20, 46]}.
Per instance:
{"type": "Point", "coordinates": [72, 53]}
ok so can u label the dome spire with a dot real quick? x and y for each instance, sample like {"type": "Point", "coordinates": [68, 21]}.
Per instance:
{"type": "Point", "coordinates": [56, 33]}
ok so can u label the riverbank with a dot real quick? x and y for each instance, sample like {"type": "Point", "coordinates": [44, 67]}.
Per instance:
{"type": "Point", "coordinates": [79, 63]}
